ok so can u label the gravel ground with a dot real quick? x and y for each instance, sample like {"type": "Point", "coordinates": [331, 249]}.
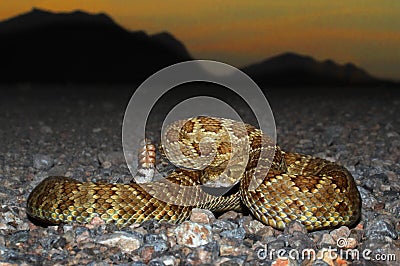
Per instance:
{"type": "Point", "coordinates": [43, 134]}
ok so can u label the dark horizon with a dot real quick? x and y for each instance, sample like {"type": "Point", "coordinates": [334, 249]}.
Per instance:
{"type": "Point", "coordinates": [82, 47]}
{"type": "Point", "coordinates": [241, 34]}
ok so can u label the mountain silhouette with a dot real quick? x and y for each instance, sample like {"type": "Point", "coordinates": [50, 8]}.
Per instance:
{"type": "Point", "coordinates": [42, 46]}
{"type": "Point", "coordinates": [290, 69]}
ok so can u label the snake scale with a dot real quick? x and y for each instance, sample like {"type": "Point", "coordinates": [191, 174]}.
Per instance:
{"type": "Point", "coordinates": [318, 193]}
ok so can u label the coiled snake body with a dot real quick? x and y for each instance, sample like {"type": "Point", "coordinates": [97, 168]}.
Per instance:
{"type": "Point", "coordinates": [318, 193]}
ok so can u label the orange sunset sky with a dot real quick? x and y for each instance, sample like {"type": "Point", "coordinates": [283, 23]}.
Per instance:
{"type": "Point", "coordinates": [242, 32]}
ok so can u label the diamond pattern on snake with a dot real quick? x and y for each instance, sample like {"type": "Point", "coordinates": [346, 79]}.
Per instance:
{"type": "Point", "coordinates": [207, 150]}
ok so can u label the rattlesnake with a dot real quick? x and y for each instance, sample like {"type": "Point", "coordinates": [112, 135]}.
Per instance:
{"type": "Point", "coordinates": [318, 193]}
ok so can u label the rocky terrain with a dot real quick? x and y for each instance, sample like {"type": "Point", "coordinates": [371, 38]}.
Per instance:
{"type": "Point", "coordinates": [79, 135]}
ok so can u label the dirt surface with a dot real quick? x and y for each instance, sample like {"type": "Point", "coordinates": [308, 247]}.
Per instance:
{"type": "Point", "coordinates": [75, 131]}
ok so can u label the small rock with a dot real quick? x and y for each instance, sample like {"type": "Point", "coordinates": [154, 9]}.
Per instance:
{"type": "Point", "coordinates": [159, 241]}
{"type": "Point", "coordinates": [266, 232]}
{"type": "Point", "coordinates": [204, 254]}
{"type": "Point", "coordinates": [351, 243]}
{"type": "Point", "coordinates": [193, 234]}
{"type": "Point", "coordinates": [232, 261]}
{"type": "Point", "coordinates": [4, 226]}
{"type": "Point", "coordinates": [19, 237]}
{"type": "Point", "coordinates": [326, 241]}
{"type": "Point", "coordinates": [222, 225]}
{"type": "Point", "coordinates": [106, 164]}
{"type": "Point", "coordinates": [171, 239]}
{"type": "Point", "coordinates": [10, 217]}
{"type": "Point", "coordinates": [69, 234]}
{"type": "Point", "coordinates": [146, 253]}
{"type": "Point", "coordinates": [83, 234]}
{"type": "Point", "coordinates": [229, 215]}
{"type": "Point", "coordinates": [114, 157]}
{"type": "Point", "coordinates": [68, 174]}
{"type": "Point", "coordinates": [394, 208]}
{"type": "Point", "coordinates": [165, 261]}
{"type": "Point", "coordinates": [202, 216]}
{"type": "Point", "coordinates": [357, 234]}
{"type": "Point", "coordinates": [127, 242]}
{"type": "Point", "coordinates": [238, 233]}
{"type": "Point", "coordinates": [295, 226]}
{"type": "Point", "coordinates": [374, 182]}
{"type": "Point", "coordinates": [96, 221]}
{"type": "Point", "coordinates": [276, 244]}
{"type": "Point", "coordinates": [229, 250]}
{"type": "Point", "coordinates": [284, 261]}
{"type": "Point", "coordinates": [379, 206]}
{"type": "Point", "coordinates": [136, 263]}
{"type": "Point", "coordinates": [379, 227]}
{"type": "Point", "coordinates": [199, 257]}
{"type": "Point", "coordinates": [253, 226]}
{"type": "Point", "coordinates": [57, 170]}
{"type": "Point", "coordinates": [342, 232]}
{"type": "Point", "coordinates": [367, 199]}
{"type": "Point", "coordinates": [392, 134]}
{"type": "Point", "coordinates": [60, 243]}
{"type": "Point", "coordinates": [301, 241]}
{"type": "Point", "coordinates": [42, 162]}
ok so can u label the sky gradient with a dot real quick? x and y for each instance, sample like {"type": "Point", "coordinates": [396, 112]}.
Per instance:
{"type": "Point", "coordinates": [364, 32]}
